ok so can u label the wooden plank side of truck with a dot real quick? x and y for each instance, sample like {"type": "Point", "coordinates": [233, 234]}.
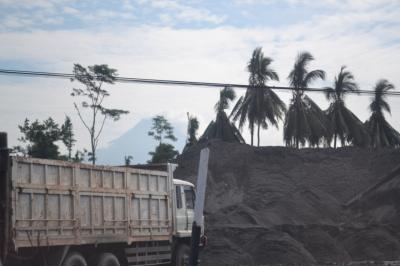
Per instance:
{"type": "Point", "coordinates": [62, 213]}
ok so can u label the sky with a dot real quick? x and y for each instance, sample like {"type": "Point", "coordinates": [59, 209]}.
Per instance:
{"type": "Point", "coordinates": [191, 40]}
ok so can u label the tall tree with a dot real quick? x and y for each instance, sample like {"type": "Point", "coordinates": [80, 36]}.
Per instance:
{"type": "Point", "coordinates": [79, 156]}
{"type": "Point", "coordinates": [260, 105]}
{"type": "Point", "coordinates": [222, 128]}
{"type": "Point", "coordinates": [161, 129]}
{"type": "Point", "coordinates": [382, 133]}
{"type": "Point", "coordinates": [344, 123]}
{"type": "Point", "coordinates": [226, 95]}
{"type": "Point", "coordinates": [128, 159]}
{"type": "Point", "coordinates": [68, 136]}
{"type": "Point", "coordinates": [164, 153]}
{"type": "Point", "coordinates": [193, 126]}
{"type": "Point", "coordinates": [41, 138]}
{"type": "Point", "coordinates": [304, 120]}
{"type": "Point", "coordinates": [93, 78]}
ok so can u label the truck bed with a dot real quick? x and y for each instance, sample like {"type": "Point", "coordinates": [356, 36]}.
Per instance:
{"type": "Point", "coordinates": [62, 203]}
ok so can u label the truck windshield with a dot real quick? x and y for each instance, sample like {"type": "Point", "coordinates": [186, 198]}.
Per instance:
{"type": "Point", "coordinates": [189, 197]}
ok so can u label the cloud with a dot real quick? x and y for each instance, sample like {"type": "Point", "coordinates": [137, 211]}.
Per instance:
{"type": "Point", "coordinates": [254, 2]}
{"type": "Point", "coordinates": [71, 11]}
{"type": "Point", "coordinates": [183, 12]}
{"type": "Point", "coordinates": [367, 42]}
{"type": "Point", "coordinates": [337, 4]}
{"type": "Point", "coordinates": [27, 4]}
{"type": "Point", "coordinates": [127, 5]}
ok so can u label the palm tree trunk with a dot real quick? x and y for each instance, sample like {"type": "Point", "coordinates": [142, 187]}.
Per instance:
{"type": "Point", "coordinates": [258, 136]}
{"type": "Point", "coordinates": [297, 102]}
{"type": "Point", "coordinates": [334, 141]}
{"type": "Point", "coordinates": [252, 134]}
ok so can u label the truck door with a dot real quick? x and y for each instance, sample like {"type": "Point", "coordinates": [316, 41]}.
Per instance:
{"type": "Point", "coordinates": [189, 203]}
{"type": "Point", "coordinates": [181, 216]}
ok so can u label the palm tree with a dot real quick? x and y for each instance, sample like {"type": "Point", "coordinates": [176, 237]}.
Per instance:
{"type": "Point", "coordinates": [344, 123]}
{"type": "Point", "coordinates": [193, 126]}
{"type": "Point", "coordinates": [304, 119]}
{"type": "Point", "coordinates": [222, 128]}
{"type": "Point", "coordinates": [226, 95]}
{"type": "Point", "coordinates": [382, 133]}
{"type": "Point", "coordinates": [260, 104]}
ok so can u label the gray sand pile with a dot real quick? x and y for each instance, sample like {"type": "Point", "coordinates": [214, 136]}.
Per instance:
{"type": "Point", "coordinates": [276, 205]}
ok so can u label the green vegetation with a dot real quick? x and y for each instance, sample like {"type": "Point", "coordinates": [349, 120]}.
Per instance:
{"type": "Point", "coordinates": [164, 153]}
{"type": "Point", "coordinates": [260, 104]}
{"type": "Point", "coordinates": [343, 122]}
{"type": "Point", "coordinates": [305, 123]}
{"type": "Point", "coordinates": [93, 78]}
{"type": "Point", "coordinates": [160, 130]}
{"type": "Point", "coordinates": [382, 133]}
{"type": "Point", "coordinates": [193, 126]}
{"type": "Point", "coordinates": [41, 139]}
{"type": "Point", "coordinates": [304, 120]}
{"type": "Point", "coordinates": [128, 159]}
{"type": "Point", "coordinates": [222, 128]}
{"type": "Point", "coordinates": [68, 136]}
{"type": "Point", "coordinates": [226, 95]}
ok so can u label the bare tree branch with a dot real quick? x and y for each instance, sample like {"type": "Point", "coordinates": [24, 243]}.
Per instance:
{"type": "Point", "coordinates": [80, 116]}
{"type": "Point", "coordinates": [100, 130]}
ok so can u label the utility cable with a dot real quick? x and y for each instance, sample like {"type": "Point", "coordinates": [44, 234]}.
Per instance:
{"type": "Point", "coordinates": [175, 82]}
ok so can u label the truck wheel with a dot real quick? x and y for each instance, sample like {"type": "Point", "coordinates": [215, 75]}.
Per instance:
{"type": "Point", "coordinates": [182, 255]}
{"type": "Point", "coordinates": [74, 259]}
{"type": "Point", "coordinates": [106, 259]}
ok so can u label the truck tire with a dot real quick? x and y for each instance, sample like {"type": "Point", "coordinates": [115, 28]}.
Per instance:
{"type": "Point", "coordinates": [182, 255]}
{"type": "Point", "coordinates": [74, 259]}
{"type": "Point", "coordinates": [106, 259]}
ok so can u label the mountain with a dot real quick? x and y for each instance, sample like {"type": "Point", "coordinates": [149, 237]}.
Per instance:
{"type": "Point", "coordinates": [137, 143]}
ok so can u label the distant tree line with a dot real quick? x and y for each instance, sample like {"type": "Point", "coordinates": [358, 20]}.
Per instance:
{"type": "Point", "coordinates": [41, 137]}
{"type": "Point", "coordinates": [305, 123]}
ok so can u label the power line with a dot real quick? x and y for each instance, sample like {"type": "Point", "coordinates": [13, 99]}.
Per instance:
{"type": "Point", "coordinates": [172, 82]}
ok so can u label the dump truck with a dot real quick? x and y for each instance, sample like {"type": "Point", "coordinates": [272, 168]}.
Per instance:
{"type": "Point", "coordinates": [72, 214]}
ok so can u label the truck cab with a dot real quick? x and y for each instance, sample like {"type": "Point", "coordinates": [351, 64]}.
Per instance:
{"type": "Point", "coordinates": [184, 198]}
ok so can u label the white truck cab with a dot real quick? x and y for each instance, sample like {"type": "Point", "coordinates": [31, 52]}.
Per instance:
{"type": "Point", "coordinates": [184, 198]}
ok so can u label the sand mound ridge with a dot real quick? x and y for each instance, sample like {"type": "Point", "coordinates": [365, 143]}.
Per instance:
{"type": "Point", "coordinates": [282, 206]}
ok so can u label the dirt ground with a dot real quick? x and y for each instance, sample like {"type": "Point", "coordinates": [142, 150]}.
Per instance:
{"type": "Point", "coordinates": [282, 206]}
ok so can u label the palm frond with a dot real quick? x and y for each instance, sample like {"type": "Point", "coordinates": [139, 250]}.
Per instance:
{"type": "Point", "coordinates": [258, 106]}
{"type": "Point", "coordinates": [304, 120]}
{"type": "Point", "coordinates": [381, 132]}
{"type": "Point", "coordinates": [312, 76]}
{"type": "Point", "coordinates": [226, 95]}
{"type": "Point", "coordinates": [329, 93]}
{"type": "Point", "coordinates": [385, 106]}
